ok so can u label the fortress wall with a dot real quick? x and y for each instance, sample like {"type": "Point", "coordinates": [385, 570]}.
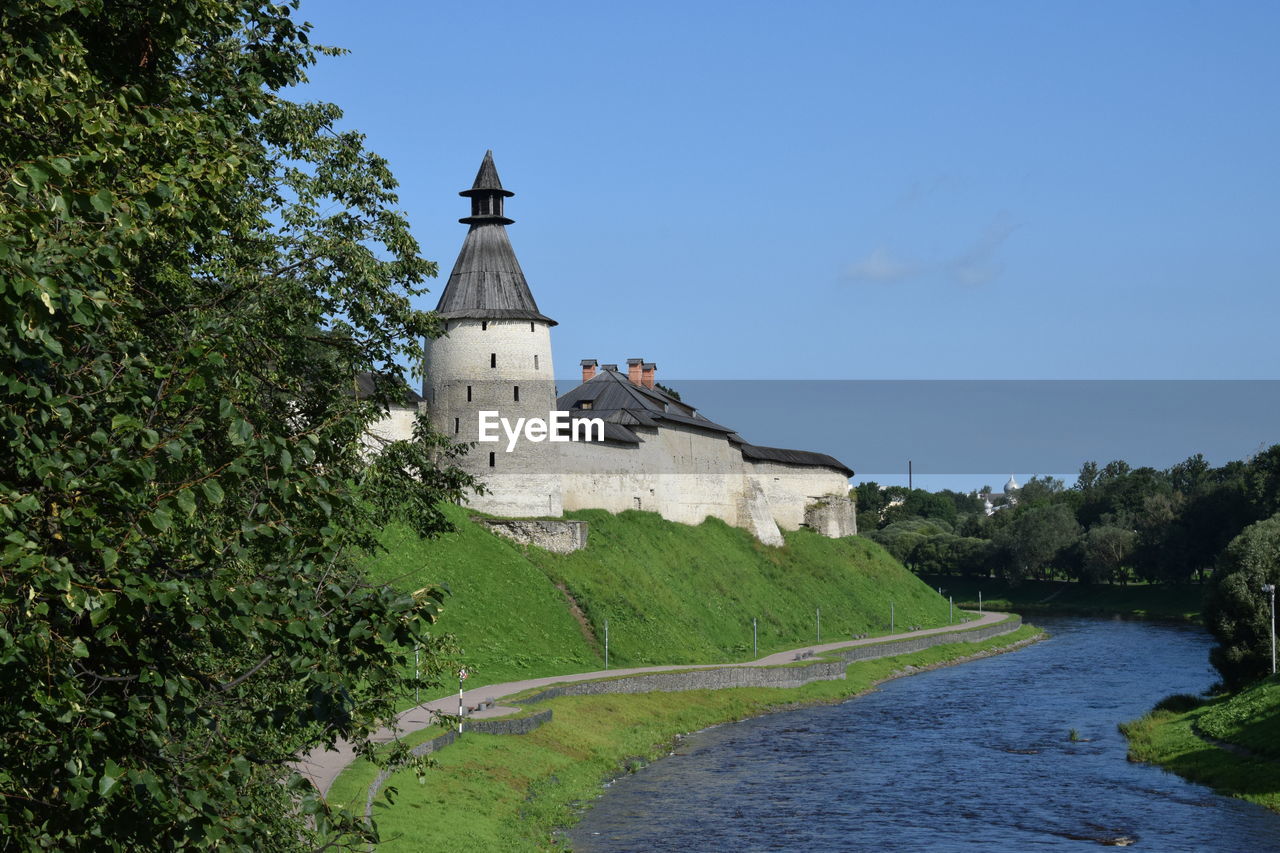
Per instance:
{"type": "Point", "coordinates": [612, 476]}
{"type": "Point", "coordinates": [705, 477]}
{"type": "Point", "coordinates": [396, 426]}
{"type": "Point", "coordinates": [790, 488]}
{"type": "Point", "coordinates": [683, 474]}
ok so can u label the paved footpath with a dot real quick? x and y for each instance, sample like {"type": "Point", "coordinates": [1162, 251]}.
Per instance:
{"type": "Point", "coordinates": [322, 766]}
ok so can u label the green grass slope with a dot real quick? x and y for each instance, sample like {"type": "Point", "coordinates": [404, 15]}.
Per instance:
{"type": "Point", "coordinates": [1250, 719]}
{"type": "Point", "coordinates": [1231, 743]}
{"type": "Point", "coordinates": [675, 593]}
{"type": "Point", "coordinates": [510, 622]}
{"type": "Point", "coordinates": [672, 593]}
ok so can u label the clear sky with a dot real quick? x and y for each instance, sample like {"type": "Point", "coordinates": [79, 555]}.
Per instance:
{"type": "Point", "coordinates": [844, 190]}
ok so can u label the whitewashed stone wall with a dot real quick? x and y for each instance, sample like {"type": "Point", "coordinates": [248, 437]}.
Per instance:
{"type": "Point", "coordinates": [684, 474]}
{"type": "Point", "coordinates": [834, 517]}
{"type": "Point", "coordinates": [479, 365]}
{"type": "Point", "coordinates": [397, 425]}
{"type": "Point", "coordinates": [791, 488]}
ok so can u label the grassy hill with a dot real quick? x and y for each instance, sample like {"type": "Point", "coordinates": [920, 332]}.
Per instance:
{"type": "Point", "coordinates": [672, 593]}
{"type": "Point", "coordinates": [1231, 743]}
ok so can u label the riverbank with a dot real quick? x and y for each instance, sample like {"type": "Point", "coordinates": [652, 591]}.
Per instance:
{"type": "Point", "coordinates": [670, 593]}
{"type": "Point", "coordinates": [1231, 743]}
{"type": "Point", "coordinates": [503, 792]}
{"type": "Point", "coordinates": [1069, 598]}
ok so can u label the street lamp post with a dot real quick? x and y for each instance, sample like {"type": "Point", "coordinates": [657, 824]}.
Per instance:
{"type": "Point", "coordinates": [1271, 589]}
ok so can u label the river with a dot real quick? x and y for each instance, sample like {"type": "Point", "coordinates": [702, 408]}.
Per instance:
{"type": "Point", "coordinates": [969, 757]}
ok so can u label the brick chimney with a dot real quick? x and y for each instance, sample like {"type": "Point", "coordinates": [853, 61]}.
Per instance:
{"type": "Point", "coordinates": [633, 370]}
{"type": "Point", "coordinates": [588, 369]}
{"type": "Point", "coordinates": [612, 367]}
{"type": "Point", "coordinates": [646, 373]}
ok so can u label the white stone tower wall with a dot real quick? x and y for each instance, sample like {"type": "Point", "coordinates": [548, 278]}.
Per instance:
{"type": "Point", "coordinates": [493, 358]}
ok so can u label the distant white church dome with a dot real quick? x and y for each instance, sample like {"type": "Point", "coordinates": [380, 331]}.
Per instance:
{"type": "Point", "coordinates": [1011, 486]}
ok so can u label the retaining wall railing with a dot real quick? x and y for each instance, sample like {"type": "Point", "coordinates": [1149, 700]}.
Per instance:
{"type": "Point", "coordinates": [822, 669]}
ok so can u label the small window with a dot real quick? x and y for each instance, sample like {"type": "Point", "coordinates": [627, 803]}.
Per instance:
{"type": "Point", "coordinates": [493, 459]}
{"type": "Point", "coordinates": [516, 388]}
{"type": "Point", "coordinates": [468, 393]}
{"type": "Point", "coordinates": [585, 404]}
{"type": "Point", "coordinates": [531, 325]}
{"type": "Point", "coordinates": [457, 426]}
{"type": "Point", "coordinates": [493, 359]}
{"type": "Point", "coordinates": [484, 325]}
{"type": "Point", "coordinates": [535, 362]}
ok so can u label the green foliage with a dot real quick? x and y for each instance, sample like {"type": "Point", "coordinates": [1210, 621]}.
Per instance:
{"type": "Point", "coordinates": [928, 546]}
{"type": "Point", "coordinates": [870, 500]}
{"type": "Point", "coordinates": [1179, 703]}
{"type": "Point", "coordinates": [1116, 525]}
{"type": "Point", "coordinates": [1035, 538]}
{"type": "Point", "coordinates": [1106, 550]}
{"type": "Point", "coordinates": [192, 271]}
{"type": "Point", "coordinates": [1177, 602]}
{"type": "Point", "coordinates": [1186, 735]}
{"type": "Point", "coordinates": [1250, 719]}
{"type": "Point", "coordinates": [918, 503]}
{"type": "Point", "coordinates": [670, 392]}
{"type": "Point", "coordinates": [1238, 611]}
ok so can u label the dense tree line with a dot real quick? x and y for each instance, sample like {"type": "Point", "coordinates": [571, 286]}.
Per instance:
{"type": "Point", "coordinates": [193, 271]}
{"type": "Point", "coordinates": [1190, 523]}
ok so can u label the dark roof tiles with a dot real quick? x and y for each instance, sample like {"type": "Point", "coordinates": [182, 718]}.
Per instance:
{"type": "Point", "coordinates": [621, 403]}
{"type": "Point", "coordinates": [487, 282]}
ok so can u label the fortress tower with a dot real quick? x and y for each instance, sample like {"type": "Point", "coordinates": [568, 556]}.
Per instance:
{"type": "Point", "coordinates": [494, 356]}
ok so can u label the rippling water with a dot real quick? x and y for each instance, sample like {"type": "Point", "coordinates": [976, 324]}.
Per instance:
{"type": "Point", "coordinates": [971, 757]}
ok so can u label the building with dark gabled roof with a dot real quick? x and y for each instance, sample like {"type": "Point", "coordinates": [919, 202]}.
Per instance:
{"type": "Point", "coordinates": [617, 441]}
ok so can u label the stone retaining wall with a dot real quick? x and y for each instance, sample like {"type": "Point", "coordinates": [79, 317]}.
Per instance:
{"type": "Point", "coordinates": [499, 726]}
{"type": "Point", "coordinates": [559, 537]}
{"type": "Point", "coordinates": [772, 676]}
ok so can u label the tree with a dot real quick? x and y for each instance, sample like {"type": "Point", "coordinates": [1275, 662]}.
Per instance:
{"type": "Point", "coordinates": [870, 500]}
{"type": "Point", "coordinates": [1105, 551]}
{"type": "Point", "coordinates": [192, 272]}
{"type": "Point", "coordinates": [1035, 537]}
{"type": "Point", "coordinates": [1237, 610]}
{"type": "Point", "coordinates": [1264, 480]}
{"type": "Point", "coordinates": [1039, 490]}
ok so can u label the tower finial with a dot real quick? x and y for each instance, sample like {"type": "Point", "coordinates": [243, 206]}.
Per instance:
{"type": "Point", "coordinates": [487, 195]}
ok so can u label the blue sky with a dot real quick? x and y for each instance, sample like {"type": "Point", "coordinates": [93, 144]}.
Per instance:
{"type": "Point", "coordinates": [908, 190]}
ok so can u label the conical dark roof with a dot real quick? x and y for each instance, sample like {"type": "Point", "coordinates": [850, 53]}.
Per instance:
{"type": "Point", "coordinates": [487, 177]}
{"type": "Point", "coordinates": [487, 282]}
